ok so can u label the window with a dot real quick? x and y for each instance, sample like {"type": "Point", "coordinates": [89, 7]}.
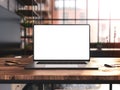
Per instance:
{"type": "Point", "coordinates": [102, 15]}
{"type": "Point", "coordinates": [104, 31]}
{"type": "Point", "coordinates": [92, 9]}
{"type": "Point", "coordinates": [93, 30]}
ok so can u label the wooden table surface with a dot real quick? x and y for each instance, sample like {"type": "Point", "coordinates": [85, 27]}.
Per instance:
{"type": "Point", "coordinates": [18, 73]}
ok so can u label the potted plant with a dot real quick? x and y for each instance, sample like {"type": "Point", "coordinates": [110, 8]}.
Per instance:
{"type": "Point", "coordinates": [26, 24]}
{"type": "Point", "coordinates": [99, 46]}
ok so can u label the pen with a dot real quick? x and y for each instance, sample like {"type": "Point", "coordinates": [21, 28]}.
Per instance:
{"type": "Point", "coordinates": [107, 65]}
{"type": "Point", "coordinates": [112, 65]}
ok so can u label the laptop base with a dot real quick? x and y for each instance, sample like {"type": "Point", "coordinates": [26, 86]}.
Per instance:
{"type": "Point", "coordinates": [36, 66]}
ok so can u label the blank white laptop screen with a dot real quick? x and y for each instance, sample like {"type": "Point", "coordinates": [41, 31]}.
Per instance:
{"type": "Point", "coordinates": [61, 42]}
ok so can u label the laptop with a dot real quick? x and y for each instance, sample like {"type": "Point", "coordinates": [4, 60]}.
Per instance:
{"type": "Point", "coordinates": [61, 47]}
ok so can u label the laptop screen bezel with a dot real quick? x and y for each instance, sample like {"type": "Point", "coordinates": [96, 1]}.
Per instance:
{"type": "Point", "coordinates": [61, 60]}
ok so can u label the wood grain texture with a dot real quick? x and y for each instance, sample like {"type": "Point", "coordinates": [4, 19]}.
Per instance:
{"type": "Point", "coordinates": [19, 73]}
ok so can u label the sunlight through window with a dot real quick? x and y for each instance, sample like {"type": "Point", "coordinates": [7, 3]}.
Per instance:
{"type": "Point", "coordinates": [102, 15]}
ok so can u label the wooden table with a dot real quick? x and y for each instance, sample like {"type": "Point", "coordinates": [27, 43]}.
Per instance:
{"type": "Point", "coordinates": [19, 74]}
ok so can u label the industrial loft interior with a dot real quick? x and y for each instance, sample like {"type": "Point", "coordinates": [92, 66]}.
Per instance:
{"type": "Point", "coordinates": [17, 20]}
{"type": "Point", "coordinates": [102, 16]}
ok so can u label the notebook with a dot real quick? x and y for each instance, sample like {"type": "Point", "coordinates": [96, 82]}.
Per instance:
{"type": "Point", "coordinates": [61, 47]}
